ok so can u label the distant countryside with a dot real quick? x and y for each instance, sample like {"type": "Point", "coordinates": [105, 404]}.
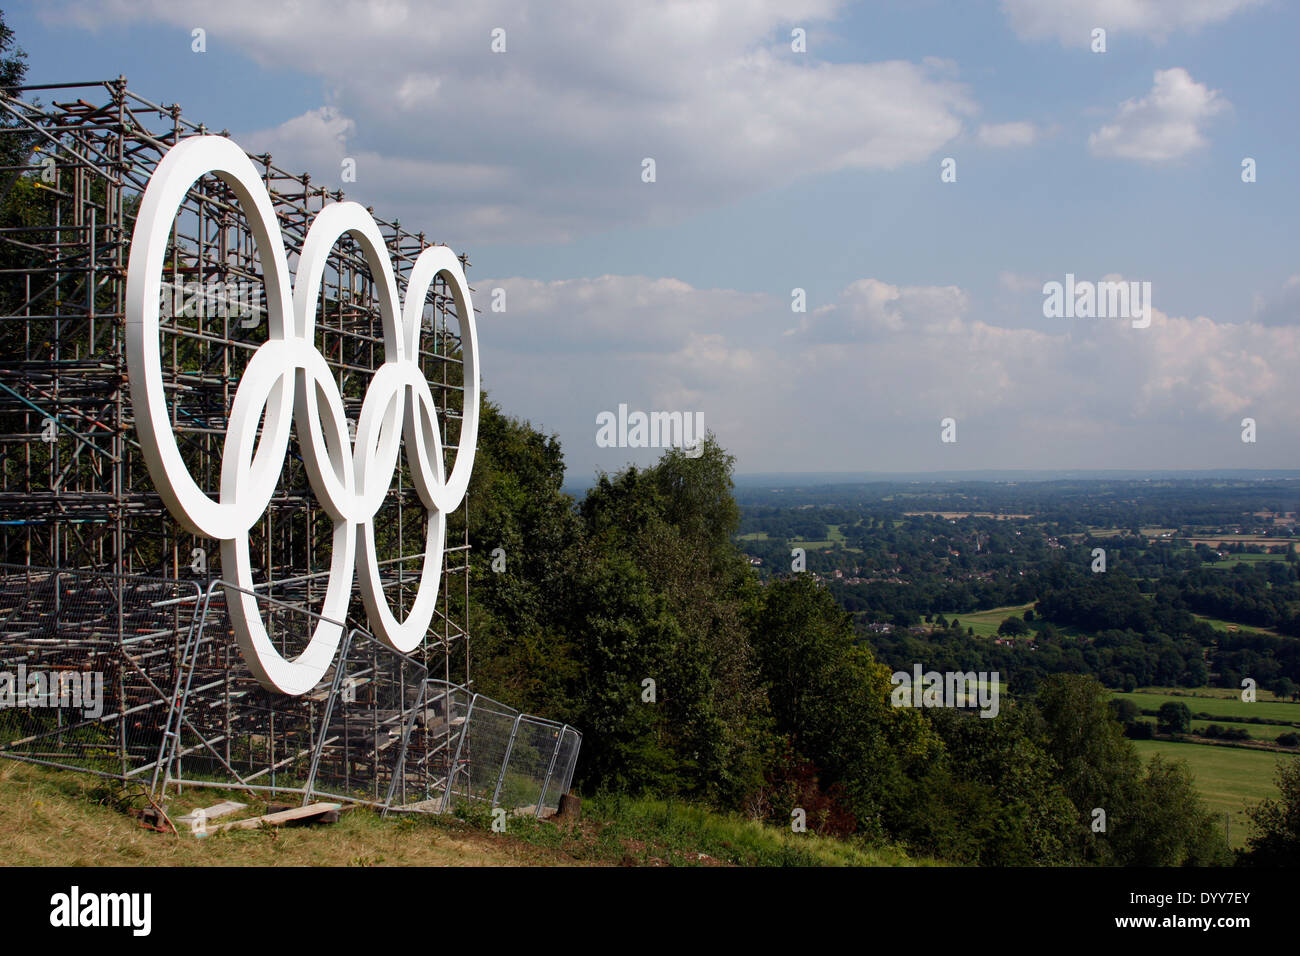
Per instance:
{"type": "Point", "coordinates": [1179, 596]}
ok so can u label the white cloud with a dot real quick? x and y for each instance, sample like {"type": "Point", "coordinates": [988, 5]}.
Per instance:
{"type": "Point", "coordinates": [320, 134]}
{"type": "Point", "coordinates": [869, 309]}
{"type": "Point", "coordinates": [545, 141]}
{"type": "Point", "coordinates": [1166, 124]}
{"type": "Point", "coordinates": [1072, 21]}
{"type": "Point", "coordinates": [862, 382]}
{"type": "Point", "coordinates": [1008, 135]}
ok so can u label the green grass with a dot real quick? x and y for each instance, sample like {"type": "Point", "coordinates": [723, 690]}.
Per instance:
{"type": "Point", "coordinates": [1228, 778]}
{"type": "Point", "coordinates": [986, 623]}
{"type": "Point", "coordinates": [1222, 703]}
{"type": "Point", "coordinates": [1221, 625]}
{"type": "Point", "coordinates": [1265, 732]}
{"type": "Point", "coordinates": [61, 818]}
{"type": "Point", "coordinates": [1233, 560]}
{"type": "Point", "coordinates": [658, 832]}
{"type": "Point", "coordinates": [834, 537]}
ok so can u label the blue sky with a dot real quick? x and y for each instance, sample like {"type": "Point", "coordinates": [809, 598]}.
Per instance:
{"type": "Point", "coordinates": [817, 170]}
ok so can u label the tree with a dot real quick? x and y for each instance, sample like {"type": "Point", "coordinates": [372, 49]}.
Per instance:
{"type": "Point", "coordinates": [1099, 767]}
{"type": "Point", "coordinates": [1154, 815]}
{"type": "Point", "coordinates": [1125, 710]}
{"type": "Point", "coordinates": [1173, 717]}
{"type": "Point", "coordinates": [1169, 824]}
{"type": "Point", "coordinates": [994, 798]}
{"type": "Point", "coordinates": [1276, 840]}
{"type": "Point", "coordinates": [830, 698]}
{"type": "Point", "coordinates": [664, 533]}
{"type": "Point", "coordinates": [14, 148]}
{"type": "Point", "coordinates": [1013, 627]}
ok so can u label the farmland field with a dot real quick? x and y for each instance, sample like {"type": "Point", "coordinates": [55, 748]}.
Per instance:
{"type": "Point", "coordinates": [834, 537]}
{"type": "Point", "coordinates": [1218, 541]}
{"type": "Point", "coordinates": [1228, 778]}
{"type": "Point", "coordinates": [1233, 560]}
{"type": "Point", "coordinates": [1222, 707]}
{"type": "Point", "coordinates": [986, 623]}
{"type": "Point", "coordinates": [1265, 732]}
{"type": "Point", "coordinates": [1222, 625]}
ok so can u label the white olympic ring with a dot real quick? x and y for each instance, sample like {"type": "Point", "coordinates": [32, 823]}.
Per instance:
{"type": "Point", "coordinates": [291, 380]}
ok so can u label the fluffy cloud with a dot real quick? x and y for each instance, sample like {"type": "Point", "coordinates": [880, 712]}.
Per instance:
{"type": "Point", "coordinates": [1072, 21]}
{"type": "Point", "coordinates": [862, 382]}
{"type": "Point", "coordinates": [546, 140]}
{"type": "Point", "coordinates": [1166, 124]}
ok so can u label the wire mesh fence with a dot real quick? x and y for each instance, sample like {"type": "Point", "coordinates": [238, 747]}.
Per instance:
{"type": "Point", "coordinates": [472, 749]}
{"type": "Point", "coordinates": [342, 739]}
{"type": "Point", "coordinates": [89, 663]}
{"type": "Point", "coordinates": [140, 678]}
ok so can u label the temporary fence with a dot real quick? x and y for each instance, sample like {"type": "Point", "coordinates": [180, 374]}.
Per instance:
{"type": "Point", "coordinates": [140, 679]}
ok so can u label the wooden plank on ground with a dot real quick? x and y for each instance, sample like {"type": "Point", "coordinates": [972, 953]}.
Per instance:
{"type": "Point", "coordinates": [281, 818]}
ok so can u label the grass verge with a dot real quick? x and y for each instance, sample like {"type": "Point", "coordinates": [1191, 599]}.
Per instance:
{"type": "Point", "coordinates": [59, 818]}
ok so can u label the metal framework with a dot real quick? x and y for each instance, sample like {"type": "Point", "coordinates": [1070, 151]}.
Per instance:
{"type": "Point", "coordinates": [94, 573]}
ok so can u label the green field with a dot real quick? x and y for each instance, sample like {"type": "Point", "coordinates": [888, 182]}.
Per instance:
{"type": "Point", "coordinates": [1229, 778]}
{"type": "Point", "coordinates": [1235, 559]}
{"type": "Point", "coordinates": [1222, 625]}
{"type": "Point", "coordinates": [986, 623]}
{"type": "Point", "coordinates": [1267, 733]}
{"type": "Point", "coordinates": [834, 537]}
{"type": "Point", "coordinates": [1224, 705]}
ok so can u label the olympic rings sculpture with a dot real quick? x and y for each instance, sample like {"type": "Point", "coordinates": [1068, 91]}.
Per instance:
{"type": "Point", "coordinates": [288, 380]}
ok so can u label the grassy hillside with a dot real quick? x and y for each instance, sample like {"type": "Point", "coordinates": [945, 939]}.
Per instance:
{"type": "Point", "coordinates": [50, 817]}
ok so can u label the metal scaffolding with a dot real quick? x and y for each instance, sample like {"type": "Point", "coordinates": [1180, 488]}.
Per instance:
{"type": "Point", "coordinates": [75, 495]}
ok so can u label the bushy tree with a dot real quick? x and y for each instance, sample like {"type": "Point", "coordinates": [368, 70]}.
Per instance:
{"type": "Point", "coordinates": [1173, 717]}
{"type": "Point", "coordinates": [1099, 767]}
{"type": "Point", "coordinates": [1169, 824]}
{"type": "Point", "coordinates": [1276, 840]}
{"type": "Point", "coordinates": [1154, 816]}
{"type": "Point", "coordinates": [830, 699]}
{"type": "Point", "coordinates": [995, 798]}
{"type": "Point", "coordinates": [673, 522]}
